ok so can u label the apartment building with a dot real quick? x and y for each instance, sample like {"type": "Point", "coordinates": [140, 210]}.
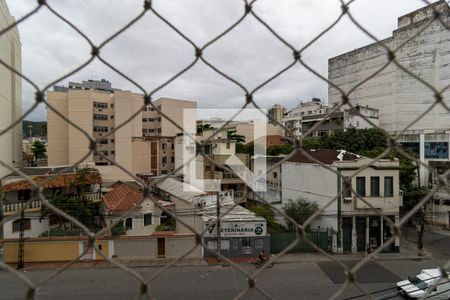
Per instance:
{"type": "Point", "coordinates": [306, 115]}
{"type": "Point", "coordinates": [276, 113]}
{"type": "Point", "coordinates": [97, 108]}
{"type": "Point", "coordinates": [400, 98]}
{"type": "Point", "coordinates": [10, 93]}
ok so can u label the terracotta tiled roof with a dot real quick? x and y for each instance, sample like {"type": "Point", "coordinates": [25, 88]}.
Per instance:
{"type": "Point", "coordinates": [271, 140]}
{"type": "Point", "coordinates": [63, 180]}
{"type": "Point", "coordinates": [325, 156]}
{"type": "Point", "coordinates": [122, 197]}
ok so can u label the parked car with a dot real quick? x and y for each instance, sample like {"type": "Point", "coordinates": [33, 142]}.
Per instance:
{"type": "Point", "coordinates": [417, 286]}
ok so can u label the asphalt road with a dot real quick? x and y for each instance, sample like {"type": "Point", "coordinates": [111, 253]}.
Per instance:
{"type": "Point", "coordinates": [303, 280]}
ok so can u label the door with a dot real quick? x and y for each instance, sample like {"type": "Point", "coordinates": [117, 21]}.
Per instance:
{"type": "Point", "coordinates": [375, 231]}
{"type": "Point", "coordinates": [347, 234]}
{"type": "Point", "coordinates": [361, 234]}
{"type": "Point", "coordinates": [161, 247]}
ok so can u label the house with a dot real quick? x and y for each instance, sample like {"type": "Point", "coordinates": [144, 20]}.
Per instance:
{"type": "Point", "coordinates": [124, 202]}
{"type": "Point", "coordinates": [81, 184]}
{"type": "Point", "coordinates": [358, 225]}
{"type": "Point", "coordinates": [242, 233]}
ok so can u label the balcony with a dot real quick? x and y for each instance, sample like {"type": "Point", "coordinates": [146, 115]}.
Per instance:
{"type": "Point", "coordinates": [12, 207]}
{"type": "Point", "coordinates": [379, 202]}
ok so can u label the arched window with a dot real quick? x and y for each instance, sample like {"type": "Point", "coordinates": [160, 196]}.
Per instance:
{"type": "Point", "coordinates": [129, 223]}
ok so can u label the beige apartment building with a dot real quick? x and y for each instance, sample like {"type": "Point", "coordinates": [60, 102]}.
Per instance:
{"type": "Point", "coordinates": [276, 113]}
{"type": "Point", "coordinates": [142, 145]}
{"type": "Point", "coordinates": [10, 93]}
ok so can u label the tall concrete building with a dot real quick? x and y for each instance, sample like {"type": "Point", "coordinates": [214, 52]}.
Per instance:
{"type": "Point", "coordinates": [276, 112]}
{"type": "Point", "coordinates": [142, 145]}
{"type": "Point", "coordinates": [399, 97]}
{"type": "Point", "coordinates": [10, 93]}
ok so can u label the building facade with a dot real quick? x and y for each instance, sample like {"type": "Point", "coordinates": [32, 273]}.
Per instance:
{"type": "Point", "coordinates": [276, 113]}
{"type": "Point", "coordinates": [10, 93]}
{"type": "Point", "coordinates": [357, 224]}
{"type": "Point", "coordinates": [400, 98]}
{"type": "Point", "coordinates": [301, 119]}
{"type": "Point", "coordinates": [98, 108]}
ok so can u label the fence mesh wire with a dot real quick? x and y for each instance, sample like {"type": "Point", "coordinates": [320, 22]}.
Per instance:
{"type": "Point", "coordinates": [248, 99]}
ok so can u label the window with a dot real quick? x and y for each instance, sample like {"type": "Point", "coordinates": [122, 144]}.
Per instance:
{"type": "Point", "coordinates": [374, 186]}
{"type": "Point", "coordinates": [144, 119]}
{"type": "Point", "coordinates": [151, 119]}
{"type": "Point", "coordinates": [147, 219]}
{"type": "Point", "coordinates": [26, 225]}
{"type": "Point", "coordinates": [129, 223]}
{"type": "Point", "coordinates": [235, 244]}
{"type": "Point", "coordinates": [24, 194]}
{"type": "Point", "coordinates": [172, 159]}
{"type": "Point", "coordinates": [173, 146]}
{"type": "Point", "coordinates": [361, 186]}
{"type": "Point", "coordinates": [246, 242]}
{"type": "Point", "coordinates": [164, 160]}
{"type": "Point", "coordinates": [100, 129]}
{"type": "Point", "coordinates": [100, 117]}
{"type": "Point", "coordinates": [144, 130]}
{"type": "Point", "coordinates": [228, 145]}
{"type": "Point", "coordinates": [163, 146]}
{"type": "Point", "coordinates": [112, 141]}
{"type": "Point", "coordinates": [346, 187]}
{"type": "Point", "coordinates": [100, 105]}
{"type": "Point", "coordinates": [275, 174]}
{"type": "Point", "coordinates": [113, 152]}
{"type": "Point", "coordinates": [388, 186]}
{"type": "Point", "coordinates": [105, 153]}
{"type": "Point", "coordinates": [103, 142]}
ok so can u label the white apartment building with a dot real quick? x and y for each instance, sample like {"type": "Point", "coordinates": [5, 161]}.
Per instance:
{"type": "Point", "coordinates": [306, 115]}
{"type": "Point", "coordinates": [10, 93]}
{"type": "Point", "coordinates": [142, 145]}
{"type": "Point", "coordinates": [400, 98]}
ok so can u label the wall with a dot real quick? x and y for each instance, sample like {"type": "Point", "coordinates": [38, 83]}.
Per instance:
{"type": "Point", "coordinates": [58, 131]}
{"type": "Point", "coordinates": [313, 183]}
{"type": "Point", "coordinates": [399, 97]}
{"type": "Point", "coordinates": [10, 93]}
{"type": "Point", "coordinates": [37, 226]}
{"type": "Point", "coordinates": [50, 249]}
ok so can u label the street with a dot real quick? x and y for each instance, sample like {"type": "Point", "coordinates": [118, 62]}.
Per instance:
{"type": "Point", "coordinates": [302, 280]}
{"type": "Point", "coordinates": [308, 279]}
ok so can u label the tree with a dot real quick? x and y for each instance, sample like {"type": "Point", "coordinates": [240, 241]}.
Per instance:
{"type": "Point", "coordinates": [299, 210]}
{"type": "Point", "coordinates": [366, 142]}
{"type": "Point", "coordinates": [267, 213]}
{"type": "Point", "coordinates": [232, 135]}
{"type": "Point", "coordinates": [276, 150]}
{"type": "Point", "coordinates": [204, 127]}
{"type": "Point", "coordinates": [38, 149]}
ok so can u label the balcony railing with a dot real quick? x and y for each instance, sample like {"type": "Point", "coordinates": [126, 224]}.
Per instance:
{"type": "Point", "coordinates": [11, 207]}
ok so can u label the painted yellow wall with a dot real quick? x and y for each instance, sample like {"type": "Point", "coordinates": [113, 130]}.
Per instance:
{"type": "Point", "coordinates": [42, 251]}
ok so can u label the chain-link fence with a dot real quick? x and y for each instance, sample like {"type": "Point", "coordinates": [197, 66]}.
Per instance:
{"type": "Point", "coordinates": [248, 99]}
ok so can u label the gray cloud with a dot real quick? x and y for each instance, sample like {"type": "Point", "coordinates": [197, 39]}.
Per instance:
{"type": "Point", "coordinates": [150, 52]}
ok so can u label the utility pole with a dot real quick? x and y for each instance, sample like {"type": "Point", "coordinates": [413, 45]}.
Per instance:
{"type": "Point", "coordinates": [20, 262]}
{"type": "Point", "coordinates": [218, 224]}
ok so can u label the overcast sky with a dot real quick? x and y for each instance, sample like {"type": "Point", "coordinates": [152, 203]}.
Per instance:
{"type": "Point", "coordinates": [150, 52]}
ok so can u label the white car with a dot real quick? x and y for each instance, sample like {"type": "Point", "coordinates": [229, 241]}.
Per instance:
{"type": "Point", "coordinates": [417, 286]}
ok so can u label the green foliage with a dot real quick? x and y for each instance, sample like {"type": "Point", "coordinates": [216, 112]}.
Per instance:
{"type": "Point", "coordinates": [267, 213]}
{"type": "Point", "coordinates": [61, 232]}
{"type": "Point", "coordinates": [276, 150]}
{"type": "Point", "coordinates": [366, 142]}
{"type": "Point", "coordinates": [37, 128]}
{"type": "Point", "coordinates": [232, 135]}
{"type": "Point", "coordinates": [204, 127]}
{"type": "Point", "coordinates": [79, 208]}
{"type": "Point", "coordinates": [38, 149]}
{"type": "Point", "coordinates": [413, 196]}
{"type": "Point", "coordinates": [244, 148]}
{"type": "Point", "coordinates": [118, 229]}
{"type": "Point", "coordinates": [299, 210]}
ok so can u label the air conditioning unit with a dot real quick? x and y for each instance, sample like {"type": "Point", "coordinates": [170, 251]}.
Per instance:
{"type": "Point", "coordinates": [347, 200]}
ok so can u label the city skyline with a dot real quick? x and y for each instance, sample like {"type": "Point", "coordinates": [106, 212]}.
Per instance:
{"type": "Point", "coordinates": [233, 52]}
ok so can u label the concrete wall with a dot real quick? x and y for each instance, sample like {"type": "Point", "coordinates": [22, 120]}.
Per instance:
{"type": "Point", "coordinates": [51, 249]}
{"type": "Point", "coordinates": [37, 227]}
{"type": "Point", "coordinates": [10, 93]}
{"type": "Point", "coordinates": [399, 97]}
{"type": "Point", "coordinates": [314, 183]}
